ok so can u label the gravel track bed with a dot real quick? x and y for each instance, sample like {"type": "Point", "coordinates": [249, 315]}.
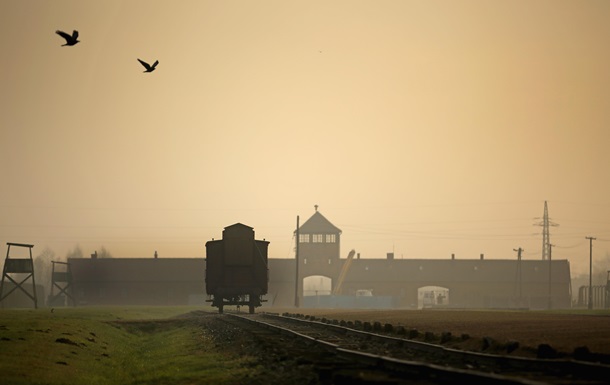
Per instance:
{"type": "Point", "coordinates": [579, 336]}
{"type": "Point", "coordinates": [383, 340]}
{"type": "Point", "coordinates": [290, 363]}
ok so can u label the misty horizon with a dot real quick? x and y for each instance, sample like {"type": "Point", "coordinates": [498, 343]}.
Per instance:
{"type": "Point", "coordinates": [425, 130]}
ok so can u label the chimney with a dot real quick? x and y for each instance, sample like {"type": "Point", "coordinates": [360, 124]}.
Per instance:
{"type": "Point", "coordinates": [94, 255]}
{"type": "Point", "coordinates": [452, 256]}
{"type": "Point", "coordinates": [482, 256]}
{"type": "Point", "coordinates": [390, 256]}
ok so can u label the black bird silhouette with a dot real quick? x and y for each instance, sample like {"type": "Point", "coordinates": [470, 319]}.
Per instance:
{"type": "Point", "coordinates": [148, 67]}
{"type": "Point", "coordinates": [70, 40]}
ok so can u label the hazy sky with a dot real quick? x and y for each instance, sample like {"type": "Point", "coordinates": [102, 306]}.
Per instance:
{"type": "Point", "coordinates": [423, 127]}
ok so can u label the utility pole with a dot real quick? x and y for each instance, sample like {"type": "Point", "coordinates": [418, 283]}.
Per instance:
{"type": "Point", "coordinates": [591, 239]}
{"type": "Point", "coordinates": [296, 261]}
{"type": "Point", "coordinates": [550, 279]}
{"type": "Point", "coordinates": [519, 250]}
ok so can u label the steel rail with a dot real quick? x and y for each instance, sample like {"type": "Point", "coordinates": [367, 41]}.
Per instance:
{"type": "Point", "coordinates": [432, 372]}
{"type": "Point", "coordinates": [590, 370]}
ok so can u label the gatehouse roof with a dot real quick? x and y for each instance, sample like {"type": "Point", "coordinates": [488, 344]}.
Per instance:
{"type": "Point", "coordinates": [317, 223]}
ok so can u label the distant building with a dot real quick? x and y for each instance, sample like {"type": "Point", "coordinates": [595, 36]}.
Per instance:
{"type": "Point", "coordinates": [412, 283]}
{"type": "Point", "coordinates": [366, 283]}
{"type": "Point", "coordinates": [138, 281]}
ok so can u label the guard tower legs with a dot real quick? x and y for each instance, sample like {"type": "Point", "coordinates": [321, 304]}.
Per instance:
{"type": "Point", "coordinates": [19, 266]}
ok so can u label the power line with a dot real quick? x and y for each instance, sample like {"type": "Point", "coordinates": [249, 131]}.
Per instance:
{"type": "Point", "coordinates": [570, 247]}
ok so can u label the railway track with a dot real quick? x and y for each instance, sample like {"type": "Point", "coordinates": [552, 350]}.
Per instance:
{"type": "Point", "coordinates": [344, 354]}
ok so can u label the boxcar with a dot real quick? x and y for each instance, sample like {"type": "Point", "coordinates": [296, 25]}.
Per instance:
{"type": "Point", "coordinates": [236, 268]}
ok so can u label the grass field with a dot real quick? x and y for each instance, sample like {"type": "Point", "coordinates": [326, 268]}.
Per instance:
{"type": "Point", "coordinates": [135, 345]}
{"type": "Point", "coordinates": [163, 345]}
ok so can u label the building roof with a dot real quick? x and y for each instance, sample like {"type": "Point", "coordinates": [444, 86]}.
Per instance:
{"type": "Point", "coordinates": [238, 224]}
{"type": "Point", "coordinates": [438, 270]}
{"type": "Point", "coordinates": [469, 270]}
{"type": "Point", "coordinates": [317, 223]}
{"type": "Point", "coordinates": [137, 269]}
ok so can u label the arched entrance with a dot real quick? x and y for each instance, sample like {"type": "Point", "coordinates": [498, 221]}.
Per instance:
{"type": "Point", "coordinates": [316, 290]}
{"type": "Point", "coordinates": [432, 296]}
{"type": "Point", "coordinates": [315, 285]}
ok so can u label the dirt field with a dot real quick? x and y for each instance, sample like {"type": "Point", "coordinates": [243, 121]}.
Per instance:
{"type": "Point", "coordinates": [562, 331]}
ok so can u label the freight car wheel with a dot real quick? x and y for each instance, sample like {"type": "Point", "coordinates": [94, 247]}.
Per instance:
{"type": "Point", "coordinates": [252, 303]}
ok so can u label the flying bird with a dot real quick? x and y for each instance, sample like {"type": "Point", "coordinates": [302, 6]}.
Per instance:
{"type": "Point", "coordinates": [148, 67]}
{"type": "Point", "coordinates": [70, 39]}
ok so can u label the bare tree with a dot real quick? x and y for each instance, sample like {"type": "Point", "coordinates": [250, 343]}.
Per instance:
{"type": "Point", "coordinates": [601, 267]}
{"type": "Point", "coordinates": [76, 253]}
{"type": "Point", "coordinates": [43, 268]}
{"type": "Point", "coordinates": [104, 253]}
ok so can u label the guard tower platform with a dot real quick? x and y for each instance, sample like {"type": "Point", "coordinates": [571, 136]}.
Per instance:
{"type": "Point", "coordinates": [61, 279]}
{"type": "Point", "coordinates": [17, 268]}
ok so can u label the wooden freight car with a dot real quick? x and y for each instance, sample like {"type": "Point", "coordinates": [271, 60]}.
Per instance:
{"type": "Point", "coordinates": [236, 268]}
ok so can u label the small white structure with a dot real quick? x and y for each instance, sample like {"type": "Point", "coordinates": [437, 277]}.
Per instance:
{"type": "Point", "coordinates": [364, 293]}
{"type": "Point", "coordinates": [432, 296]}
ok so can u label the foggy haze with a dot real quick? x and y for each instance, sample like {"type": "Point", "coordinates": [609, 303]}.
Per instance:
{"type": "Point", "coordinates": [423, 128]}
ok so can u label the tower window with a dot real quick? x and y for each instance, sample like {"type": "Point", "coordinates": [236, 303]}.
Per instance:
{"type": "Point", "coordinates": [318, 238]}
{"type": "Point", "coordinates": [303, 238]}
{"type": "Point", "coordinates": [331, 238]}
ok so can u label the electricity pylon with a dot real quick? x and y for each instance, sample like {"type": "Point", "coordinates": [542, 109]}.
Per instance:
{"type": "Point", "coordinates": [546, 236]}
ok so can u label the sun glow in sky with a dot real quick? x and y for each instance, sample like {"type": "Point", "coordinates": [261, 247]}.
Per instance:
{"type": "Point", "coordinates": [421, 127]}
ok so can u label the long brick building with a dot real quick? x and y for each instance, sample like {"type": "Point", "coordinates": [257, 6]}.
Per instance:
{"type": "Point", "coordinates": [327, 280]}
{"type": "Point", "coordinates": [412, 283]}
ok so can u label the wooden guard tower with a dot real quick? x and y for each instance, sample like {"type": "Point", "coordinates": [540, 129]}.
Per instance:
{"type": "Point", "coordinates": [19, 266]}
{"type": "Point", "coordinates": [61, 280]}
